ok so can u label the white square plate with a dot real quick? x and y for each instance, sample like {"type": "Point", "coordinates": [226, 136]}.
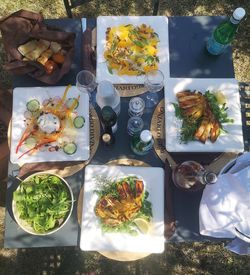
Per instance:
{"type": "Point", "coordinates": [20, 98]}
{"type": "Point", "coordinates": [232, 141]}
{"type": "Point", "coordinates": [92, 237]}
{"type": "Point", "coordinates": [158, 23]}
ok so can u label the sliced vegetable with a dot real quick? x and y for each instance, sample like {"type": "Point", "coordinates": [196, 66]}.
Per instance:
{"type": "Point", "coordinates": [70, 148]}
{"type": "Point", "coordinates": [30, 142]}
{"type": "Point", "coordinates": [79, 121]}
{"type": "Point", "coordinates": [33, 105]}
{"type": "Point", "coordinates": [72, 101]}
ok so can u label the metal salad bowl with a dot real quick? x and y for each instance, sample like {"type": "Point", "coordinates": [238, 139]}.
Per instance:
{"type": "Point", "coordinates": [42, 203]}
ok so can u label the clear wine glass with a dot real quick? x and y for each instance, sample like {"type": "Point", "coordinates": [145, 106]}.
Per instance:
{"type": "Point", "coordinates": [86, 83]}
{"type": "Point", "coordinates": [154, 82]}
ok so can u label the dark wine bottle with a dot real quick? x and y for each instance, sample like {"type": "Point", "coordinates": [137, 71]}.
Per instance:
{"type": "Point", "coordinates": [109, 118]}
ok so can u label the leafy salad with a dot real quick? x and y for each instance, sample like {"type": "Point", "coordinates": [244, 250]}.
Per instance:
{"type": "Point", "coordinates": [43, 202]}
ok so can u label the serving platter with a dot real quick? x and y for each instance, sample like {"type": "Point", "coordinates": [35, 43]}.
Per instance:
{"type": "Point", "coordinates": [21, 96]}
{"type": "Point", "coordinates": [92, 236]}
{"type": "Point", "coordinates": [231, 141]}
{"type": "Point", "coordinates": [160, 26]}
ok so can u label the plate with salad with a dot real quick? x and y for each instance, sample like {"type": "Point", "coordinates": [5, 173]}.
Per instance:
{"type": "Point", "coordinates": [123, 209]}
{"type": "Point", "coordinates": [203, 115]}
{"type": "Point", "coordinates": [130, 46]}
{"type": "Point", "coordinates": [49, 124]}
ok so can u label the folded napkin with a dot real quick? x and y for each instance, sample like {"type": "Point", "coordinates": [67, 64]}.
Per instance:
{"type": "Point", "coordinates": [225, 205]}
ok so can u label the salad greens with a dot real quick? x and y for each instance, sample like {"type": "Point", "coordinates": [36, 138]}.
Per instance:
{"type": "Point", "coordinates": [43, 201]}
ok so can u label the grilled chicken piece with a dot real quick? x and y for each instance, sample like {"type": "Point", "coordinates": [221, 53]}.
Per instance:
{"type": "Point", "coordinates": [114, 211]}
{"type": "Point", "coordinates": [195, 106]}
{"type": "Point", "coordinates": [215, 131]}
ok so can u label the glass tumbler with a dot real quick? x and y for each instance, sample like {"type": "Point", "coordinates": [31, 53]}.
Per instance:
{"type": "Point", "coordinates": [154, 82]}
{"type": "Point", "coordinates": [85, 82]}
{"type": "Point", "coordinates": [136, 106]}
{"type": "Point", "coordinates": [135, 125]}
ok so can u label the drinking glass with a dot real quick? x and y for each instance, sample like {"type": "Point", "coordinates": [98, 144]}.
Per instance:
{"type": "Point", "coordinates": [154, 82]}
{"type": "Point", "coordinates": [192, 176]}
{"type": "Point", "coordinates": [135, 125]}
{"type": "Point", "coordinates": [136, 106]}
{"type": "Point", "coordinates": [85, 82]}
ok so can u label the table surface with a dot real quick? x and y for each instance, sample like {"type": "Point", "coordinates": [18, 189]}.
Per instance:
{"type": "Point", "coordinates": [188, 58]}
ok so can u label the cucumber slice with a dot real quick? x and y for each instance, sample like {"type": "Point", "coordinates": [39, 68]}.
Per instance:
{"type": "Point", "coordinates": [70, 148]}
{"type": "Point", "coordinates": [30, 142]}
{"type": "Point", "coordinates": [33, 105]}
{"type": "Point", "coordinates": [79, 122]}
{"type": "Point", "coordinates": [70, 101]}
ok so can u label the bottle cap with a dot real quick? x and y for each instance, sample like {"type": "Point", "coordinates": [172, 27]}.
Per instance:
{"type": "Point", "coordinates": [106, 137]}
{"type": "Point", "coordinates": [210, 178]}
{"type": "Point", "coordinates": [239, 13]}
{"type": "Point", "coordinates": [145, 136]}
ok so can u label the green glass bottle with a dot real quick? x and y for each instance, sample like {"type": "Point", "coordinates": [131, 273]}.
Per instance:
{"type": "Point", "coordinates": [143, 143]}
{"type": "Point", "coordinates": [225, 33]}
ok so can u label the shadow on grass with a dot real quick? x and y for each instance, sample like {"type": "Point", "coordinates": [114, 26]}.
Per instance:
{"type": "Point", "coordinates": [177, 259]}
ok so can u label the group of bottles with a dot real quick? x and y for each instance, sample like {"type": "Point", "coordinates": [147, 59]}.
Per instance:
{"type": "Point", "coordinates": [224, 33]}
{"type": "Point", "coordinates": [108, 99]}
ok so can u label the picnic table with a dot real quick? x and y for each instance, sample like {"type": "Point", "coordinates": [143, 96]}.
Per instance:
{"type": "Point", "coordinates": [188, 58]}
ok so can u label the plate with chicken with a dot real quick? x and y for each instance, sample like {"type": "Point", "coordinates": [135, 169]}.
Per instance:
{"type": "Point", "coordinates": [123, 209]}
{"type": "Point", "coordinates": [203, 115]}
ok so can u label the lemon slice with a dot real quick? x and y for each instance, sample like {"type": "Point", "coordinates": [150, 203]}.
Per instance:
{"type": "Point", "coordinates": [220, 97]}
{"type": "Point", "coordinates": [142, 225]}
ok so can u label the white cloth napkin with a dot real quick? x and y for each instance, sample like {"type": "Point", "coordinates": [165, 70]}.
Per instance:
{"type": "Point", "coordinates": [225, 205]}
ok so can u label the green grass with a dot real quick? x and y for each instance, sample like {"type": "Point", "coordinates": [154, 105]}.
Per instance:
{"type": "Point", "coordinates": [181, 258]}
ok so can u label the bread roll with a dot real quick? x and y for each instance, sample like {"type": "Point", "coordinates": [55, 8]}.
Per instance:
{"type": "Point", "coordinates": [27, 47]}
{"type": "Point", "coordinates": [45, 56]}
{"type": "Point", "coordinates": [42, 45]}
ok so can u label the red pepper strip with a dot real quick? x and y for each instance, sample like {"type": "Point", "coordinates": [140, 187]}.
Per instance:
{"type": "Point", "coordinates": [25, 135]}
{"type": "Point", "coordinates": [36, 147]}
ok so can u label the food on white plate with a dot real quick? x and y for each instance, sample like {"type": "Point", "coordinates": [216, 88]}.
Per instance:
{"type": "Point", "coordinates": [131, 50]}
{"type": "Point", "coordinates": [202, 115]}
{"type": "Point", "coordinates": [51, 125]}
{"type": "Point", "coordinates": [48, 123]}
{"type": "Point", "coordinates": [122, 205]}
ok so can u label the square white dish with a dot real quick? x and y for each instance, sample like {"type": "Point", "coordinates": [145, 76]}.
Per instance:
{"type": "Point", "coordinates": [232, 141]}
{"type": "Point", "coordinates": [158, 23]}
{"type": "Point", "coordinates": [20, 98]}
{"type": "Point", "coordinates": [92, 237]}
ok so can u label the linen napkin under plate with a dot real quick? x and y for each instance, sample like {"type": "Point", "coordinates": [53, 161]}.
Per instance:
{"type": "Point", "coordinates": [225, 206]}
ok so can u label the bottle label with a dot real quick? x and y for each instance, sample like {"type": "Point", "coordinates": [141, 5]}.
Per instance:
{"type": "Point", "coordinates": [214, 47]}
{"type": "Point", "coordinates": [139, 147]}
{"type": "Point", "coordinates": [147, 147]}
